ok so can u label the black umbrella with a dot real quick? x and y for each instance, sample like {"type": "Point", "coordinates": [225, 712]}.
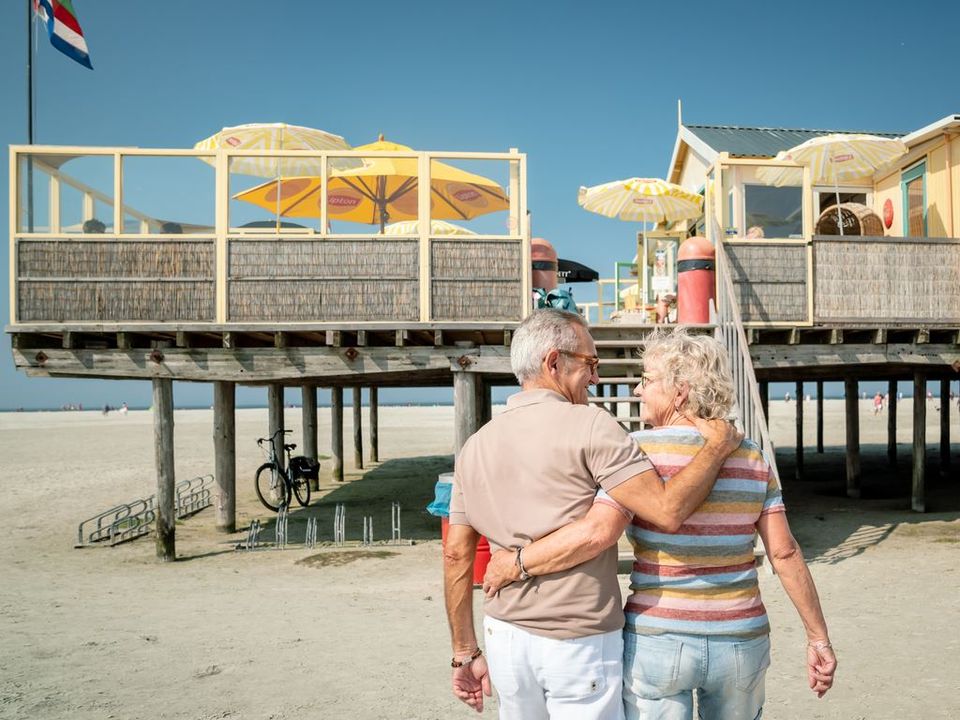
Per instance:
{"type": "Point", "coordinates": [570, 271]}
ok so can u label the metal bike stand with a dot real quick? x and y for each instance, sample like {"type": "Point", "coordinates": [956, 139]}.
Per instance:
{"type": "Point", "coordinates": [253, 535]}
{"type": "Point", "coordinates": [310, 538]}
{"type": "Point", "coordinates": [395, 522]}
{"type": "Point", "coordinates": [280, 529]}
{"type": "Point", "coordinates": [339, 524]}
{"type": "Point", "coordinates": [368, 530]}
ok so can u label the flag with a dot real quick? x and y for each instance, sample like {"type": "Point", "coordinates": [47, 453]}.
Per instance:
{"type": "Point", "coordinates": [63, 29]}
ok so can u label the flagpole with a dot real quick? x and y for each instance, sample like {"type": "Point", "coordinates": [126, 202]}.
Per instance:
{"type": "Point", "coordinates": [29, 115]}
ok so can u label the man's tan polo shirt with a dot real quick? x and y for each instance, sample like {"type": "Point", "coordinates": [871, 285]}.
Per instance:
{"type": "Point", "coordinates": [535, 468]}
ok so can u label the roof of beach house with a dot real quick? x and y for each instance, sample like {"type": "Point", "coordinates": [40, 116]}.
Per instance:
{"type": "Point", "coordinates": [761, 142]}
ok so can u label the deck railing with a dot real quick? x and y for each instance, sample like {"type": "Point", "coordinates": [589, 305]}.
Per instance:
{"type": "Point", "coordinates": [137, 269]}
{"type": "Point", "coordinates": [750, 416]}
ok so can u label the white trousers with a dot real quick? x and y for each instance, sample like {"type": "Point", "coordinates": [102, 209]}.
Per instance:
{"type": "Point", "coordinates": [540, 678]}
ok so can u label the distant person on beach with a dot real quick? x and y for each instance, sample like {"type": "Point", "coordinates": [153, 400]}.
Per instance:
{"type": "Point", "coordinates": [555, 643]}
{"type": "Point", "coordinates": [877, 404]}
{"type": "Point", "coordinates": [123, 409]}
{"type": "Point", "coordinates": [695, 623]}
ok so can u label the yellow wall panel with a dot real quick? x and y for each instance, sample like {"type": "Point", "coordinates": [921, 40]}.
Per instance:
{"type": "Point", "coordinates": [938, 201]}
{"type": "Point", "coordinates": [889, 189]}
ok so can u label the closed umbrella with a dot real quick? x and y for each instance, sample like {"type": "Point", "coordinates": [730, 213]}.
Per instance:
{"type": "Point", "coordinates": [839, 157]}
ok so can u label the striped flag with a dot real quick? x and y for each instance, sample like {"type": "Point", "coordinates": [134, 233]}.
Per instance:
{"type": "Point", "coordinates": [63, 29]}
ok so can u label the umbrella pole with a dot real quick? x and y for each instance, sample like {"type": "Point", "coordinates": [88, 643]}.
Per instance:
{"type": "Point", "coordinates": [836, 189]}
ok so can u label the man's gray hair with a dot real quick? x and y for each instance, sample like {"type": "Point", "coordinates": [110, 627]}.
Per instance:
{"type": "Point", "coordinates": [543, 331]}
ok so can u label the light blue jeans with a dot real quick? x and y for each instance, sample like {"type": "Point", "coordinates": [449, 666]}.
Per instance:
{"type": "Point", "coordinates": [662, 672]}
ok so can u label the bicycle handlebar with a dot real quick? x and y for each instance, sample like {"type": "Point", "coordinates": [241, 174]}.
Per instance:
{"type": "Point", "coordinates": [260, 441]}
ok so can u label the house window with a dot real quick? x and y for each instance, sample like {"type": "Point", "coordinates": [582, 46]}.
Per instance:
{"type": "Point", "coordinates": [829, 199]}
{"type": "Point", "coordinates": [913, 184]}
{"type": "Point", "coordinates": [777, 211]}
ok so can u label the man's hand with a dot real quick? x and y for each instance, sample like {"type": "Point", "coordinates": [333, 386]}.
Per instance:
{"type": "Point", "coordinates": [821, 666]}
{"type": "Point", "coordinates": [720, 434]}
{"type": "Point", "coordinates": [501, 571]}
{"type": "Point", "coordinates": [471, 682]}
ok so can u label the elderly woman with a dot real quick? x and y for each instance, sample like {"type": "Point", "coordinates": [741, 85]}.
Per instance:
{"type": "Point", "coordinates": [695, 624]}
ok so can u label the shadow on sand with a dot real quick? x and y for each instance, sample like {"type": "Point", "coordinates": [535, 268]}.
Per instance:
{"type": "Point", "coordinates": [831, 527]}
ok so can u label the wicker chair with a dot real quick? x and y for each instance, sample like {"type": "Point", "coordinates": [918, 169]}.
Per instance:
{"type": "Point", "coordinates": [857, 220]}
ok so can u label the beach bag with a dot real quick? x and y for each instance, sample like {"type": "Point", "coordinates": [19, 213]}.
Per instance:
{"type": "Point", "coordinates": [441, 499]}
{"type": "Point", "coordinates": [303, 467]}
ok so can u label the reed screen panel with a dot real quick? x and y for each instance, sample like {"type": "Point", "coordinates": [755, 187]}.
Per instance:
{"type": "Point", "coordinates": [476, 280]}
{"type": "Point", "coordinates": [296, 280]}
{"type": "Point", "coordinates": [877, 279]}
{"type": "Point", "coordinates": [770, 281]}
{"type": "Point", "coordinates": [110, 280]}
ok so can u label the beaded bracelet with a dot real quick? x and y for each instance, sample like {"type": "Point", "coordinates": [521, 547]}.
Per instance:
{"type": "Point", "coordinates": [454, 663]}
{"type": "Point", "coordinates": [820, 645]}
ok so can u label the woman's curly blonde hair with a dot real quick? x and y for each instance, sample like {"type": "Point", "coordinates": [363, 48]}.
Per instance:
{"type": "Point", "coordinates": [698, 363]}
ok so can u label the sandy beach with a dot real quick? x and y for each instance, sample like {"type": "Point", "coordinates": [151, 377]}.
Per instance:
{"type": "Point", "coordinates": [361, 632]}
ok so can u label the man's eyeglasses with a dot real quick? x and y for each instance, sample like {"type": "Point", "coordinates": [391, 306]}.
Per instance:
{"type": "Point", "coordinates": [591, 361]}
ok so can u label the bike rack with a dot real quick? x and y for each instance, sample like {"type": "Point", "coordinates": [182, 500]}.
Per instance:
{"type": "Point", "coordinates": [136, 518]}
{"type": "Point", "coordinates": [368, 530]}
{"type": "Point", "coordinates": [310, 537]}
{"type": "Point", "coordinates": [280, 529]}
{"type": "Point", "coordinates": [395, 523]}
{"type": "Point", "coordinates": [339, 524]}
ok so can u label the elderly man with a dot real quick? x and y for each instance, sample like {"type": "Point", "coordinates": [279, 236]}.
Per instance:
{"type": "Point", "coordinates": [555, 643]}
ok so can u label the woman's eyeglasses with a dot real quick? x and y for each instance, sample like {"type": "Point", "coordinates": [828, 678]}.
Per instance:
{"type": "Point", "coordinates": [592, 361]}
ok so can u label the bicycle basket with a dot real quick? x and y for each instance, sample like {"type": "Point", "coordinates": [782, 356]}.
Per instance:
{"type": "Point", "coordinates": [303, 467]}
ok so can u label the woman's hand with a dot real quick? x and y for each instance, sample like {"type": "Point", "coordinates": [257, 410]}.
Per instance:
{"type": "Point", "coordinates": [821, 666]}
{"type": "Point", "coordinates": [502, 570]}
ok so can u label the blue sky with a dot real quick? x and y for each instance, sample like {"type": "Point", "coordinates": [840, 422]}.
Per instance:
{"type": "Point", "coordinates": [587, 90]}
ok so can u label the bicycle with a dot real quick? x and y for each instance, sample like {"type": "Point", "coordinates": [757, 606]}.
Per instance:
{"type": "Point", "coordinates": [275, 485]}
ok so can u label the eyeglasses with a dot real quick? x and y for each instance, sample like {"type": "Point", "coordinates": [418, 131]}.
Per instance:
{"type": "Point", "coordinates": [591, 361]}
{"type": "Point", "coordinates": [646, 380]}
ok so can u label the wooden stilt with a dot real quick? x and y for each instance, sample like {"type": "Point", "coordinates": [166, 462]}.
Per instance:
{"type": "Point", "coordinates": [225, 455]}
{"type": "Point", "coordinates": [919, 494]}
{"type": "Point", "coordinates": [163, 452]}
{"type": "Point", "coordinates": [799, 468]}
{"type": "Point", "coordinates": [275, 413]}
{"type": "Point", "coordinates": [819, 416]}
{"type": "Point", "coordinates": [483, 402]}
{"type": "Point", "coordinates": [892, 422]}
{"type": "Point", "coordinates": [374, 424]}
{"type": "Point", "coordinates": [852, 403]}
{"type": "Point", "coordinates": [464, 407]}
{"type": "Point", "coordinates": [487, 414]}
{"type": "Point", "coordinates": [944, 426]}
{"type": "Point", "coordinates": [357, 428]}
{"type": "Point", "coordinates": [765, 400]}
{"type": "Point", "coordinates": [336, 433]}
{"type": "Point", "coordinates": [309, 440]}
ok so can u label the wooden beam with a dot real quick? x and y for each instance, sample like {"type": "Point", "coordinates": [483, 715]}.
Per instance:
{"type": "Point", "coordinates": [166, 512]}
{"type": "Point", "coordinates": [361, 338]}
{"type": "Point", "coordinates": [280, 339]}
{"type": "Point", "coordinates": [880, 336]}
{"type": "Point", "coordinates": [334, 338]}
{"type": "Point", "coordinates": [308, 394]}
{"type": "Point", "coordinates": [836, 336]}
{"type": "Point", "coordinates": [918, 495]}
{"type": "Point", "coordinates": [765, 400]}
{"type": "Point", "coordinates": [357, 428]}
{"type": "Point", "coordinates": [852, 405]}
{"type": "Point", "coordinates": [892, 422]}
{"type": "Point", "coordinates": [944, 427]}
{"type": "Point", "coordinates": [183, 339]}
{"type": "Point", "coordinates": [336, 432]}
{"type": "Point", "coordinates": [124, 341]}
{"type": "Point", "coordinates": [923, 337]}
{"type": "Point", "coordinates": [507, 338]}
{"type": "Point", "coordinates": [275, 423]}
{"type": "Point", "coordinates": [438, 338]}
{"type": "Point", "coordinates": [373, 393]}
{"type": "Point", "coordinates": [793, 336]}
{"type": "Point", "coordinates": [225, 456]}
{"type": "Point", "coordinates": [464, 408]}
{"type": "Point", "coordinates": [819, 416]}
{"type": "Point", "coordinates": [230, 340]}
{"type": "Point", "coordinates": [799, 450]}
{"type": "Point", "coordinates": [401, 337]}
{"type": "Point", "coordinates": [69, 339]}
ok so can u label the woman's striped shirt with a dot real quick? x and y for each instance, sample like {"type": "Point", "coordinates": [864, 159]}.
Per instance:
{"type": "Point", "coordinates": [702, 579]}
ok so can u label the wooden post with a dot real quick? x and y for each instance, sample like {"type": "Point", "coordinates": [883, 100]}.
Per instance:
{"type": "Point", "coordinates": [163, 453]}
{"type": "Point", "coordinates": [765, 400]}
{"type": "Point", "coordinates": [919, 494]}
{"type": "Point", "coordinates": [275, 414]}
{"type": "Point", "coordinates": [464, 408]}
{"type": "Point", "coordinates": [374, 425]}
{"type": "Point", "coordinates": [309, 440]}
{"type": "Point", "coordinates": [799, 468]}
{"type": "Point", "coordinates": [892, 422]}
{"type": "Point", "coordinates": [336, 432]}
{"type": "Point", "coordinates": [819, 416]}
{"type": "Point", "coordinates": [944, 426]}
{"type": "Point", "coordinates": [852, 402]}
{"type": "Point", "coordinates": [483, 402]}
{"type": "Point", "coordinates": [357, 429]}
{"type": "Point", "coordinates": [225, 455]}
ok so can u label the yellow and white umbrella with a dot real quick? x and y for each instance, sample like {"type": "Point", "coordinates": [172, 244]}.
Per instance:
{"type": "Point", "coordinates": [383, 188]}
{"type": "Point", "coordinates": [781, 175]}
{"type": "Point", "coordinates": [275, 136]}
{"type": "Point", "coordinates": [438, 228]}
{"type": "Point", "coordinates": [839, 157]}
{"type": "Point", "coordinates": [646, 199]}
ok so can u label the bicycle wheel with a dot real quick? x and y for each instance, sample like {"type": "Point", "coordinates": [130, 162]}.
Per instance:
{"type": "Point", "coordinates": [301, 489]}
{"type": "Point", "coordinates": [272, 489]}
